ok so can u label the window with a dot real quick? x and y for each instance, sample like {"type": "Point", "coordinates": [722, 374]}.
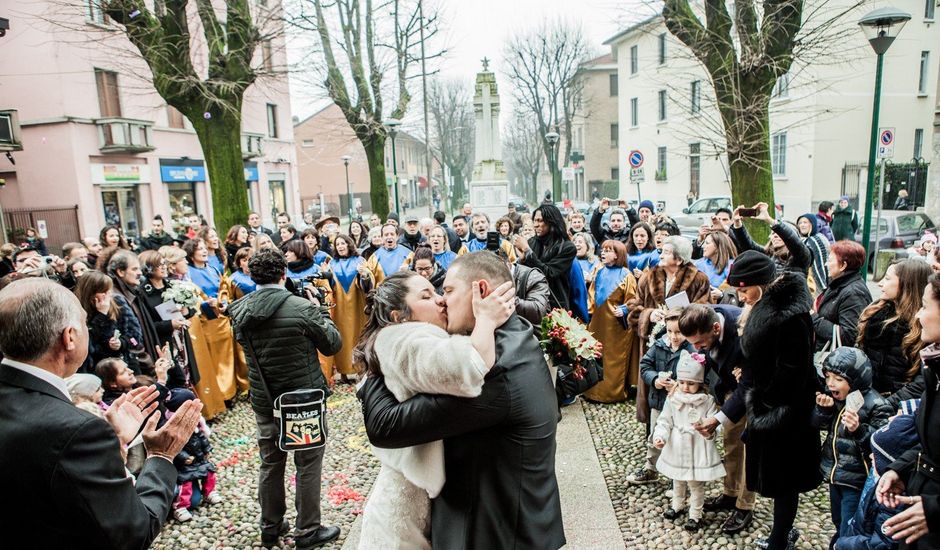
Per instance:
{"type": "Point", "coordinates": [696, 106]}
{"type": "Point", "coordinates": [662, 48]}
{"type": "Point", "coordinates": [272, 120]}
{"type": "Point", "coordinates": [615, 174]}
{"type": "Point", "coordinates": [614, 135]}
{"type": "Point", "coordinates": [613, 84]}
{"type": "Point", "coordinates": [924, 68]}
{"type": "Point", "coordinates": [634, 60]}
{"type": "Point", "coordinates": [634, 112]}
{"type": "Point", "coordinates": [662, 105]}
{"type": "Point", "coordinates": [174, 118]}
{"type": "Point", "coordinates": [94, 13]}
{"type": "Point", "coordinates": [267, 55]}
{"type": "Point", "coordinates": [778, 154]}
{"type": "Point", "coordinates": [307, 143]}
{"type": "Point", "coordinates": [695, 167]}
{"type": "Point", "coordinates": [918, 142]}
{"type": "Point", "coordinates": [929, 9]}
{"type": "Point", "coordinates": [781, 87]}
{"type": "Point", "coordinates": [661, 164]}
{"type": "Point", "coordinates": [109, 98]}
{"type": "Point", "coordinates": [909, 223]}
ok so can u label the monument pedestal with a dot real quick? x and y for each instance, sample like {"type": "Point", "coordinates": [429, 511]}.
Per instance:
{"type": "Point", "coordinates": [489, 186]}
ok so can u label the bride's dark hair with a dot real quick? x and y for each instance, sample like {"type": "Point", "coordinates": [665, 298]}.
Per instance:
{"type": "Point", "coordinates": [381, 304]}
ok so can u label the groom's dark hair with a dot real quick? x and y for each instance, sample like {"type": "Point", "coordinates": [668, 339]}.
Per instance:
{"type": "Point", "coordinates": [482, 264]}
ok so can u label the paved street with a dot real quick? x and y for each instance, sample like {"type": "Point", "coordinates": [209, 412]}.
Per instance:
{"type": "Point", "coordinates": [598, 445]}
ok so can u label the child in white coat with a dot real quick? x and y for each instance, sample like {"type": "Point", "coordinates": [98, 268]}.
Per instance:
{"type": "Point", "coordinates": [687, 457]}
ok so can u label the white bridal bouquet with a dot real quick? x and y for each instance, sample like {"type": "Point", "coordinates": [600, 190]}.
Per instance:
{"type": "Point", "coordinates": [183, 294]}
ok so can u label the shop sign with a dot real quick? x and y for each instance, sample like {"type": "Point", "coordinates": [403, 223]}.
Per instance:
{"type": "Point", "coordinates": [120, 174]}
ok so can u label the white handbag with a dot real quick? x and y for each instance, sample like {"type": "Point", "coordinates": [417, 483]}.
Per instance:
{"type": "Point", "coordinates": [819, 358]}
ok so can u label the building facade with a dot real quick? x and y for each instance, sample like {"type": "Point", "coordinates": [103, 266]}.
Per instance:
{"type": "Point", "coordinates": [323, 138]}
{"type": "Point", "coordinates": [819, 124]}
{"type": "Point", "coordinates": [98, 140]}
{"type": "Point", "coordinates": [596, 131]}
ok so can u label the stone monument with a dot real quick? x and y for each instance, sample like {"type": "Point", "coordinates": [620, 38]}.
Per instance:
{"type": "Point", "coordinates": [489, 185]}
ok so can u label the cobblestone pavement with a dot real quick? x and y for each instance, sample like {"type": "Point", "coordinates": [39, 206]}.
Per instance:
{"type": "Point", "coordinates": [348, 472]}
{"type": "Point", "coordinates": [620, 443]}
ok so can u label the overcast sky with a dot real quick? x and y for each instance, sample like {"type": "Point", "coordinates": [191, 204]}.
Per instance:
{"type": "Point", "coordinates": [473, 29]}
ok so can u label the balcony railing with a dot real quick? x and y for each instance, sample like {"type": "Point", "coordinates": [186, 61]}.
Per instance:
{"type": "Point", "coordinates": [251, 145]}
{"type": "Point", "coordinates": [124, 135]}
{"type": "Point", "coordinates": [10, 131]}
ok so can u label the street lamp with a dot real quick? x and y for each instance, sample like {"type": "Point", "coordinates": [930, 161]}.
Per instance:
{"type": "Point", "coordinates": [552, 138]}
{"type": "Point", "coordinates": [346, 159]}
{"type": "Point", "coordinates": [392, 125]}
{"type": "Point", "coordinates": [881, 27]}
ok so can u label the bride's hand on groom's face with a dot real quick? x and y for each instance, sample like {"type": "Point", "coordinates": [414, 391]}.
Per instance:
{"type": "Point", "coordinates": [497, 306]}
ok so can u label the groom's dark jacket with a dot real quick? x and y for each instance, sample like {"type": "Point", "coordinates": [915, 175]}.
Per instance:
{"type": "Point", "coordinates": [499, 449]}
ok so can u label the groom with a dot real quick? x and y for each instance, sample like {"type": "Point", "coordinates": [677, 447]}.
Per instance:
{"type": "Point", "coordinates": [499, 448]}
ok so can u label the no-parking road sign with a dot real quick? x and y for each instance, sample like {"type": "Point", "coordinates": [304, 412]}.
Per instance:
{"type": "Point", "coordinates": [635, 159]}
{"type": "Point", "coordinates": [886, 143]}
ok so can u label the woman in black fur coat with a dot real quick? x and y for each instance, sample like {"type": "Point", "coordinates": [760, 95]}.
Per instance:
{"type": "Point", "coordinates": [782, 449]}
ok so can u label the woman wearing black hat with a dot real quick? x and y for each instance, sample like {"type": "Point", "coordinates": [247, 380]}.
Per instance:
{"type": "Point", "coordinates": [782, 449]}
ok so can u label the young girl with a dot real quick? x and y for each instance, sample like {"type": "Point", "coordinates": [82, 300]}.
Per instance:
{"type": "Point", "coordinates": [406, 342]}
{"type": "Point", "coordinates": [195, 473]}
{"type": "Point", "coordinates": [687, 457]}
{"type": "Point", "coordinates": [86, 392]}
{"type": "Point", "coordinates": [612, 287]}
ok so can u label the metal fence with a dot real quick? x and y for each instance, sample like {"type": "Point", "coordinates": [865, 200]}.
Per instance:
{"type": "Point", "coordinates": [61, 225]}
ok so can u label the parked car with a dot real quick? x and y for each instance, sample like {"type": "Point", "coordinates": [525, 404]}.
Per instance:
{"type": "Point", "coordinates": [700, 212]}
{"type": "Point", "coordinates": [897, 230]}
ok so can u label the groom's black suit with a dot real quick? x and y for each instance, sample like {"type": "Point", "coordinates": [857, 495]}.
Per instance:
{"type": "Point", "coordinates": [499, 449]}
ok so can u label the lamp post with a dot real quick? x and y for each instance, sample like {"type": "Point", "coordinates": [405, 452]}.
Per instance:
{"type": "Point", "coordinates": [349, 197]}
{"type": "Point", "coordinates": [392, 125]}
{"type": "Point", "coordinates": [552, 138]}
{"type": "Point", "coordinates": [881, 27]}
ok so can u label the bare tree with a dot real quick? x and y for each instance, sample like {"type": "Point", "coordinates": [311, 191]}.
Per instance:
{"type": "Point", "coordinates": [543, 65]}
{"type": "Point", "coordinates": [523, 151]}
{"type": "Point", "coordinates": [452, 123]}
{"type": "Point", "coordinates": [745, 52]}
{"type": "Point", "coordinates": [202, 68]}
{"type": "Point", "coordinates": [360, 44]}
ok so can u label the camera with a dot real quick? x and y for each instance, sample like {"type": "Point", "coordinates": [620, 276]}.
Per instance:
{"type": "Point", "coordinates": [299, 286]}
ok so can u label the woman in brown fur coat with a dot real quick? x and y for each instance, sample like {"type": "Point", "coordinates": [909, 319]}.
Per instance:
{"type": "Point", "coordinates": [674, 274]}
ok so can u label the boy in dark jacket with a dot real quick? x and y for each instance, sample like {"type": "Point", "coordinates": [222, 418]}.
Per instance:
{"type": "Point", "coordinates": [850, 423]}
{"type": "Point", "coordinates": [864, 531]}
{"type": "Point", "coordinates": [658, 370]}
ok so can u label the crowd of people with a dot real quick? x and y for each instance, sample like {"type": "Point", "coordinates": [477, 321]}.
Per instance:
{"type": "Point", "coordinates": [777, 340]}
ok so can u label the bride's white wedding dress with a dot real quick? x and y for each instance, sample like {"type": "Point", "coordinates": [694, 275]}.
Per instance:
{"type": "Point", "coordinates": [415, 358]}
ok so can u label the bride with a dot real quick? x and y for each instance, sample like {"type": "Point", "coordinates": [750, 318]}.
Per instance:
{"type": "Point", "coordinates": [405, 340]}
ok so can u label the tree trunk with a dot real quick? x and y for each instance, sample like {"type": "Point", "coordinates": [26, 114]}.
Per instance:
{"type": "Point", "coordinates": [378, 185]}
{"type": "Point", "coordinates": [751, 174]}
{"type": "Point", "coordinates": [220, 139]}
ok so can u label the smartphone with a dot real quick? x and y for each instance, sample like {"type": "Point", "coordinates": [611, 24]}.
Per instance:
{"type": "Point", "coordinates": [117, 334]}
{"type": "Point", "coordinates": [492, 240]}
{"type": "Point", "coordinates": [747, 212]}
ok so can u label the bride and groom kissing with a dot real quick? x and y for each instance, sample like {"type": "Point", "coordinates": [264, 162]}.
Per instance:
{"type": "Point", "coordinates": [460, 409]}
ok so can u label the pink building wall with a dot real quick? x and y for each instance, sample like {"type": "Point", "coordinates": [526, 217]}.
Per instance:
{"type": "Point", "coordinates": [49, 78]}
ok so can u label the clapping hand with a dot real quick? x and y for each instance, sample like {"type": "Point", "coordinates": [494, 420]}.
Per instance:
{"type": "Point", "coordinates": [497, 307]}
{"type": "Point", "coordinates": [169, 440]}
{"type": "Point", "coordinates": [521, 244]}
{"type": "Point", "coordinates": [128, 412]}
{"type": "Point", "coordinates": [736, 371]}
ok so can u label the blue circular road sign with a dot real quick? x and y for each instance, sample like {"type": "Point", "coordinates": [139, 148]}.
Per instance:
{"type": "Point", "coordinates": [636, 159]}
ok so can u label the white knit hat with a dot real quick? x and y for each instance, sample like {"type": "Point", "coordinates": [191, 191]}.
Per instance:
{"type": "Point", "coordinates": [691, 367]}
